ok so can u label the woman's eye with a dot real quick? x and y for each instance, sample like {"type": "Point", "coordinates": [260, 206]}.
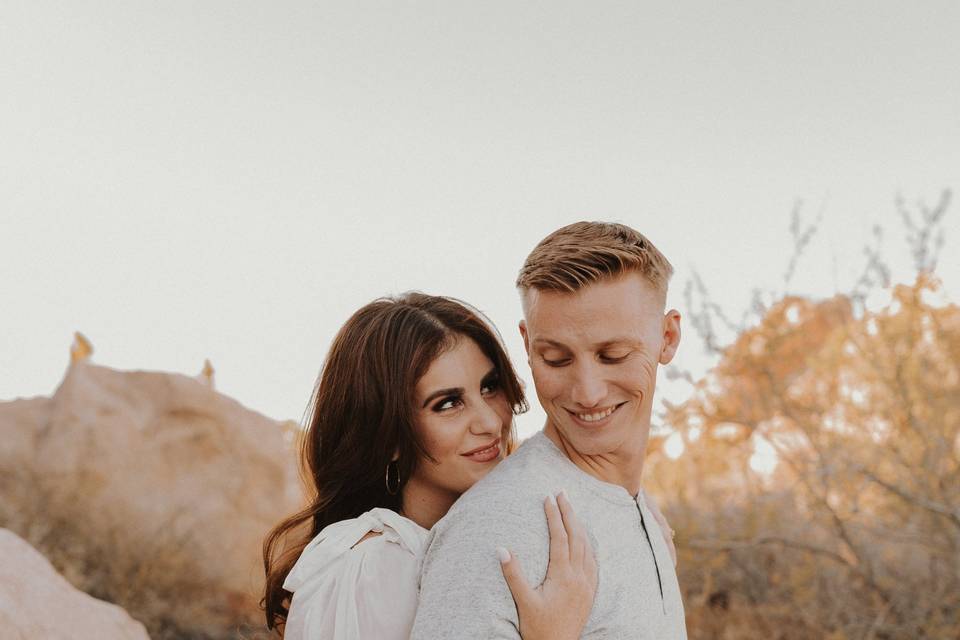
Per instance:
{"type": "Point", "coordinates": [446, 404]}
{"type": "Point", "coordinates": [490, 388]}
{"type": "Point", "coordinates": [556, 363]}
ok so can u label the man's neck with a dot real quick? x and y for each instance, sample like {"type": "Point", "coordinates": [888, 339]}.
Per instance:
{"type": "Point", "coordinates": [623, 468]}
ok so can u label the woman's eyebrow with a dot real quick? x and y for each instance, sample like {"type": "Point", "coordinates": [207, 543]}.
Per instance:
{"type": "Point", "coordinates": [439, 393]}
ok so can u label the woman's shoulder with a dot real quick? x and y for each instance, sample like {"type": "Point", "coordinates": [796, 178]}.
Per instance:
{"type": "Point", "coordinates": [378, 534]}
{"type": "Point", "coordinates": [357, 579]}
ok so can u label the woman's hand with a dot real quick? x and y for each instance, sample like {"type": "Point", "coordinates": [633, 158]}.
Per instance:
{"type": "Point", "coordinates": [560, 606]}
{"type": "Point", "coordinates": [665, 528]}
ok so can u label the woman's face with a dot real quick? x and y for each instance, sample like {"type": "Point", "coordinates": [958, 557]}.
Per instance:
{"type": "Point", "coordinates": [461, 415]}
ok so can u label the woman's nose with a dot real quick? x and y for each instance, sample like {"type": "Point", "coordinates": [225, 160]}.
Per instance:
{"type": "Point", "coordinates": [486, 420]}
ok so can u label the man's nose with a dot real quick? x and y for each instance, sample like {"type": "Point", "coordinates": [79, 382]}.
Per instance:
{"type": "Point", "coordinates": [588, 388]}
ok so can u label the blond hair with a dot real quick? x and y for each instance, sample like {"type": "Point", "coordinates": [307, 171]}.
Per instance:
{"type": "Point", "coordinates": [583, 253]}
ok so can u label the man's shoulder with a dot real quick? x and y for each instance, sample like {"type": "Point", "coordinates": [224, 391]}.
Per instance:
{"type": "Point", "coordinates": [532, 469]}
{"type": "Point", "coordinates": [511, 494]}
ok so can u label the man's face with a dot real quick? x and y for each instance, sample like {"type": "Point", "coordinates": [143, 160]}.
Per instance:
{"type": "Point", "coordinates": [594, 356]}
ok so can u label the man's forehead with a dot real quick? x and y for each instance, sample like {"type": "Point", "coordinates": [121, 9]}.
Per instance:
{"type": "Point", "coordinates": [627, 296]}
{"type": "Point", "coordinates": [593, 331]}
{"type": "Point", "coordinates": [631, 339]}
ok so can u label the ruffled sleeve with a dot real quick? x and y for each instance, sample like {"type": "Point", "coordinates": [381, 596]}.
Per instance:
{"type": "Point", "coordinates": [346, 591]}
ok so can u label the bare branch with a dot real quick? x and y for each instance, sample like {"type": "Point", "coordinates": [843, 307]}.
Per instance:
{"type": "Point", "coordinates": [934, 507]}
{"type": "Point", "coordinates": [704, 312]}
{"type": "Point", "coordinates": [875, 271]}
{"type": "Point", "coordinates": [731, 545]}
{"type": "Point", "coordinates": [801, 236]}
{"type": "Point", "coordinates": [925, 236]}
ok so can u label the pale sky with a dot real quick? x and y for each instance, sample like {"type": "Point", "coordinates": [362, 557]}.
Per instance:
{"type": "Point", "coordinates": [231, 180]}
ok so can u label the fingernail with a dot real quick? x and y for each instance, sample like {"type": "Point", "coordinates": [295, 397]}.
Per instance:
{"type": "Point", "coordinates": [552, 500]}
{"type": "Point", "coordinates": [503, 554]}
{"type": "Point", "coordinates": [563, 492]}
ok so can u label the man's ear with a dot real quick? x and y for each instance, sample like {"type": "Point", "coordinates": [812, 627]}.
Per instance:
{"type": "Point", "coordinates": [671, 336]}
{"type": "Point", "coordinates": [526, 339]}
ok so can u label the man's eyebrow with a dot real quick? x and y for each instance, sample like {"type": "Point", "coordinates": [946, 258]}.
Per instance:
{"type": "Point", "coordinates": [621, 340]}
{"type": "Point", "coordinates": [600, 345]}
{"type": "Point", "coordinates": [552, 343]}
{"type": "Point", "coordinates": [439, 393]}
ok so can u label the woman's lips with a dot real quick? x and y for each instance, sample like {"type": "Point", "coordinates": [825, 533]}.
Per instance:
{"type": "Point", "coordinates": [485, 453]}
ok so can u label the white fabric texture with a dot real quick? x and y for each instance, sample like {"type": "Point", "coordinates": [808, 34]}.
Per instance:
{"type": "Point", "coordinates": [346, 592]}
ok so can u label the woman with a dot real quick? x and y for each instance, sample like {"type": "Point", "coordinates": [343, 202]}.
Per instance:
{"type": "Point", "coordinates": [414, 404]}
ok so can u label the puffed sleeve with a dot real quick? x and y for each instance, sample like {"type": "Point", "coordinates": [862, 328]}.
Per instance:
{"type": "Point", "coordinates": [368, 591]}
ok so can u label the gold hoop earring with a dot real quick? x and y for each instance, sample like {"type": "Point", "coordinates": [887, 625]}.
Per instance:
{"type": "Point", "coordinates": [396, 472]}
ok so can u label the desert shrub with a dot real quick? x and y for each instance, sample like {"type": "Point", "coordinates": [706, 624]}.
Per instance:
{"type": "Point", "coordinates": [855, 533]}
{"type": "Point", "coordinates": [153, 573]}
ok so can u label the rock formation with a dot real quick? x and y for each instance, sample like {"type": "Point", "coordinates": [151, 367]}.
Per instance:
{"type": "Point", "coordinates": [155, 466]}
{"type": "Point", "coordinates": [81, 349]}
{"type": "Point", "coordinates": [206, 374]}
{"type": "Point", "coordinates": [37, 602]}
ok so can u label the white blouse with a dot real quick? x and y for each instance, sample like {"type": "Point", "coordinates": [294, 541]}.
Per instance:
{"type": "Point", "coordinates": [346, 592]}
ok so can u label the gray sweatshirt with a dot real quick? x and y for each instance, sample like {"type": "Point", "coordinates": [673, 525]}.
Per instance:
{"type": "Point", "coordinates": [462, 590]}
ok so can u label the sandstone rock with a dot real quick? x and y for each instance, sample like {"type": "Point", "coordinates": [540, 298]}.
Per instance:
{"type": "Point", "coordinates": [37, 602]}
{"type": "Point", "coordinates": [206, 374]}
{"type": "Point", "coordinates": [160, 463]}
{"type": "Point", "coordinates": [81, 349]}
{"type": "Point", "coordinates": [20, 426]}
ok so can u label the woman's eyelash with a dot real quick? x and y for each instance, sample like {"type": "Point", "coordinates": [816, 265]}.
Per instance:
{"type": "Point", "coordinates": [491, 385]}
{"type": "Point", "coordinates": [441, 405]}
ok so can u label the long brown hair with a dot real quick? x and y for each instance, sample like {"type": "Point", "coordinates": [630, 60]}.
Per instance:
{"type": "Point", "coordinates": [361, 413]}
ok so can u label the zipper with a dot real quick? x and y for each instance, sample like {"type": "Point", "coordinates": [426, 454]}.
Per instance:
{"type": "Point", "coordinates": [663, 605]}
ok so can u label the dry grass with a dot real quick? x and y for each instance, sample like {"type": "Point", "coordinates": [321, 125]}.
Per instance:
{"type": "Point", "coordinates": [154, 573]}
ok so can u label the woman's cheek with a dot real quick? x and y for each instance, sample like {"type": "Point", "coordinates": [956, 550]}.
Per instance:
{"type": "Point", "coordinates": [502, 407]}
{"type": "Point", "coordinates": [433, 439]}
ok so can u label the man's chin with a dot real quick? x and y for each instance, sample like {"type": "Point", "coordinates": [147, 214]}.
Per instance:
{"type": "Point", "coordinates": [588, 441]}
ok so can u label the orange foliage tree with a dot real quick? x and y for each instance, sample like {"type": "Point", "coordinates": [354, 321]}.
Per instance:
{"type": "Point", "coordinates": [855, 533]}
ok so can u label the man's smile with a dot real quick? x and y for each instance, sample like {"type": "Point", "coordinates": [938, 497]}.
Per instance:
{"type": "Point", "coordinates": [596, 417]}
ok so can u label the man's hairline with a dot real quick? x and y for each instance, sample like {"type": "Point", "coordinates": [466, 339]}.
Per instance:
{"type": "Point", "coordinates": [524, 291]}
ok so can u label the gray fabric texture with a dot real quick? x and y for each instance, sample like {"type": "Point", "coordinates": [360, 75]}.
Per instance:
{"type": "Point", "coordinates": [462, 590]}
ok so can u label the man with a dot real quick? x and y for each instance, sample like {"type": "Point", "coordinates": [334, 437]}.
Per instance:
{"type": "Point", "coordinates": [595, 332]}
